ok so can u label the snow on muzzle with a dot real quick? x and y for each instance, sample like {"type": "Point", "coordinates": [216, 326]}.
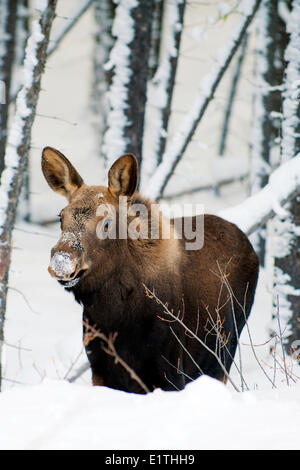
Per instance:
{"type": "Point", "coordinates": [66, 268]}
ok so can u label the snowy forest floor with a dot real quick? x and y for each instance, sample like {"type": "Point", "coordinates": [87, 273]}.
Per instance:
{"type": "Point", "coordinates": [47, 412]}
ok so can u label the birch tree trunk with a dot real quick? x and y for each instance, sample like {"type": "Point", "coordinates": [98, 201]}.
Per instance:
{"type": "Point", "coordinates": [16, 156]}
{"type": "Point", "coordinates": [8, 19]}
{"type": "Point", "coordinates": [103, 41]}
{"type": "Point", "coordinates": [285, 240]}
{"type": "Point", "coordinates": [161, 87]}
{"type": "Point", "coordinates": [156, 34]}
{"type": "Point", "coordinates": [171, 75]}
{"type": "Point", "coordinates": [270, 65]}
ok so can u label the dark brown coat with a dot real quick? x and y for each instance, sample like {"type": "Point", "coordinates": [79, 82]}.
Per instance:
{"type": "Point", "coordinates": [211, 289]}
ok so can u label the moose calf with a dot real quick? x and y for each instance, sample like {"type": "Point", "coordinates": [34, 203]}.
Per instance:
{"type": "Point", "coordinates": [175, 313]}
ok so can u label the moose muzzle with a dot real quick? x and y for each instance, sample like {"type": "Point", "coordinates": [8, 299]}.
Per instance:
{"type": "Point", "coordinates": [66, 267]}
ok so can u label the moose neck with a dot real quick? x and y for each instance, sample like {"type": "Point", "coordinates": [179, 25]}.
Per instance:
{"type": "Point", "coordinates": [141, 263]}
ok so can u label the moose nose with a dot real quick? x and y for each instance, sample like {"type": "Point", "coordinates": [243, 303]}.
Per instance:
{"type": "Point", "coordinates": [63, 267]}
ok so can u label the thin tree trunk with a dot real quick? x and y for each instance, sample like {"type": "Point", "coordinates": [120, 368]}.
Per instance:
{"type": "Point", "coordinates": [19, 144]}
{"type": "Point", "coordinates": [8, 19]}
{"type": "Point", "coordinates": [174, 58]}
{"type": "Point", "coordinates": [103, 41]}
{"type": "Point", "coordinates": [232, 95]}
{"type": "Point", "coordinates": [156, 37]}
{"type": "Point", "coordinates": [22, 35]}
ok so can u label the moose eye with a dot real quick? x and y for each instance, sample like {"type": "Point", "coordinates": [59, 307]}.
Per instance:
{"type": "Point", "coordinates": [106, 224]}
{"type": "Point", "coordinates": [60, 219]}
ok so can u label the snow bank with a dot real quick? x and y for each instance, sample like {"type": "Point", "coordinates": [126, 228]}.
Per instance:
{"type": "Point", "coordinates": [206, 415]}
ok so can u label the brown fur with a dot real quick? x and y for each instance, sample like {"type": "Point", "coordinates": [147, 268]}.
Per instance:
{"type": "Point", "coordinates": [114, 273]}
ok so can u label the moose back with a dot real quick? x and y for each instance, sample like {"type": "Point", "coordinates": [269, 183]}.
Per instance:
{"type": "Point", "coordinates": [175, 313]}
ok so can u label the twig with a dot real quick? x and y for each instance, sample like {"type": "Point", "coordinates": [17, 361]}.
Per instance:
{"type": "Point", "coordinates": [168, 312]}
{"type": "Point", "coordinates": [280, 339]}
{"type": "Point", "coordinates": [232, 94]}
{"type": "Point", "coordinates": [179, 371]}
{"type": "Point", "coordinates": [25, 299]}
{"type": "Point", "coordinates": [206, 187]}
{"type": "Point", "coordinates": [247, 326]}
{"type": "Point", "coordinates": [187, 352]}
{"type": "Point", "coordinates": [73, 363]}
{"type": "Point", "coordinates": [82, 369]}
{"type": "Point", "coordinates": [224, 279]}
{"type": "Point", "coordinates": [168, 380]}
{"type": "Point", "coordinates": [92, 333]}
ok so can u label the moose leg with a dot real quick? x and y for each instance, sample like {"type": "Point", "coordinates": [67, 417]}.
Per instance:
{"type": "Point", "coordinates": [97, 379]}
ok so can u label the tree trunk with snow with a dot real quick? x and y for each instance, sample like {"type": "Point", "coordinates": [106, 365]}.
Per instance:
{"type": "Point", "coordinates": [22, 34]}
{"type": "Point", "coordinates": [8, 19]}
{"type": "Point", "coordinates": [156, 34]}
{"type": "Point", "coordinates": [18, 147]}
{"type": "Point", "coordinates": [161, 87]}
{"type": "Point", "coordinates": [173, 58]}
{"type": "Point", "coordinates": [129, 61]}
{"type": "Point", "coordinates": [137, 86]}
{"type": "Point", "coordinates": [270, 65]}
{"type": "Point", "coordinates": [285, 241]}
{"type": "Point", "coordinates": [103, 41]}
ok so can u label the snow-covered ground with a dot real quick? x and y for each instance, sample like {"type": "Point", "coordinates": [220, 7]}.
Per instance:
{"type": "Point", "coordinates": [206, 415]}
{"type": "Point", "coordinates": [39, 408]}
{"type": "Point", "coordinates": [49, 412]}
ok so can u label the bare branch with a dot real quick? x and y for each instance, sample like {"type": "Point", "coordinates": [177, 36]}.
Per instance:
{"type": "Point", "coordinates": [188, 330]}
{"type": "Point", "coordinates": [77, 14]}
{"type": "Point", "coordinates": [92, 333]}
{"type": "Point", "coordinates": [55, 43]}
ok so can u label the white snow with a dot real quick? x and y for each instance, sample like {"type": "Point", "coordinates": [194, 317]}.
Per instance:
{"type": "Point", "coordinates": [62, 264]}
{"type": "Point", "coordinates": [206, 415]}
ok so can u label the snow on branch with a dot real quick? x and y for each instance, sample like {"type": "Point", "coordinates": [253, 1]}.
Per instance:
{"type": "Point", "coordinates": [19, 143]}
{"type": "Point", "coordinates": [210, 83]}
{"type": "Point", "coordinates": [283, 186]}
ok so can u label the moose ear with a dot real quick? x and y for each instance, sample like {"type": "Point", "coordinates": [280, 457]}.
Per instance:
{"type": "Point", "coordinates": [60, 173]}
{"type": "Point", "coordinates": [123, 176]}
